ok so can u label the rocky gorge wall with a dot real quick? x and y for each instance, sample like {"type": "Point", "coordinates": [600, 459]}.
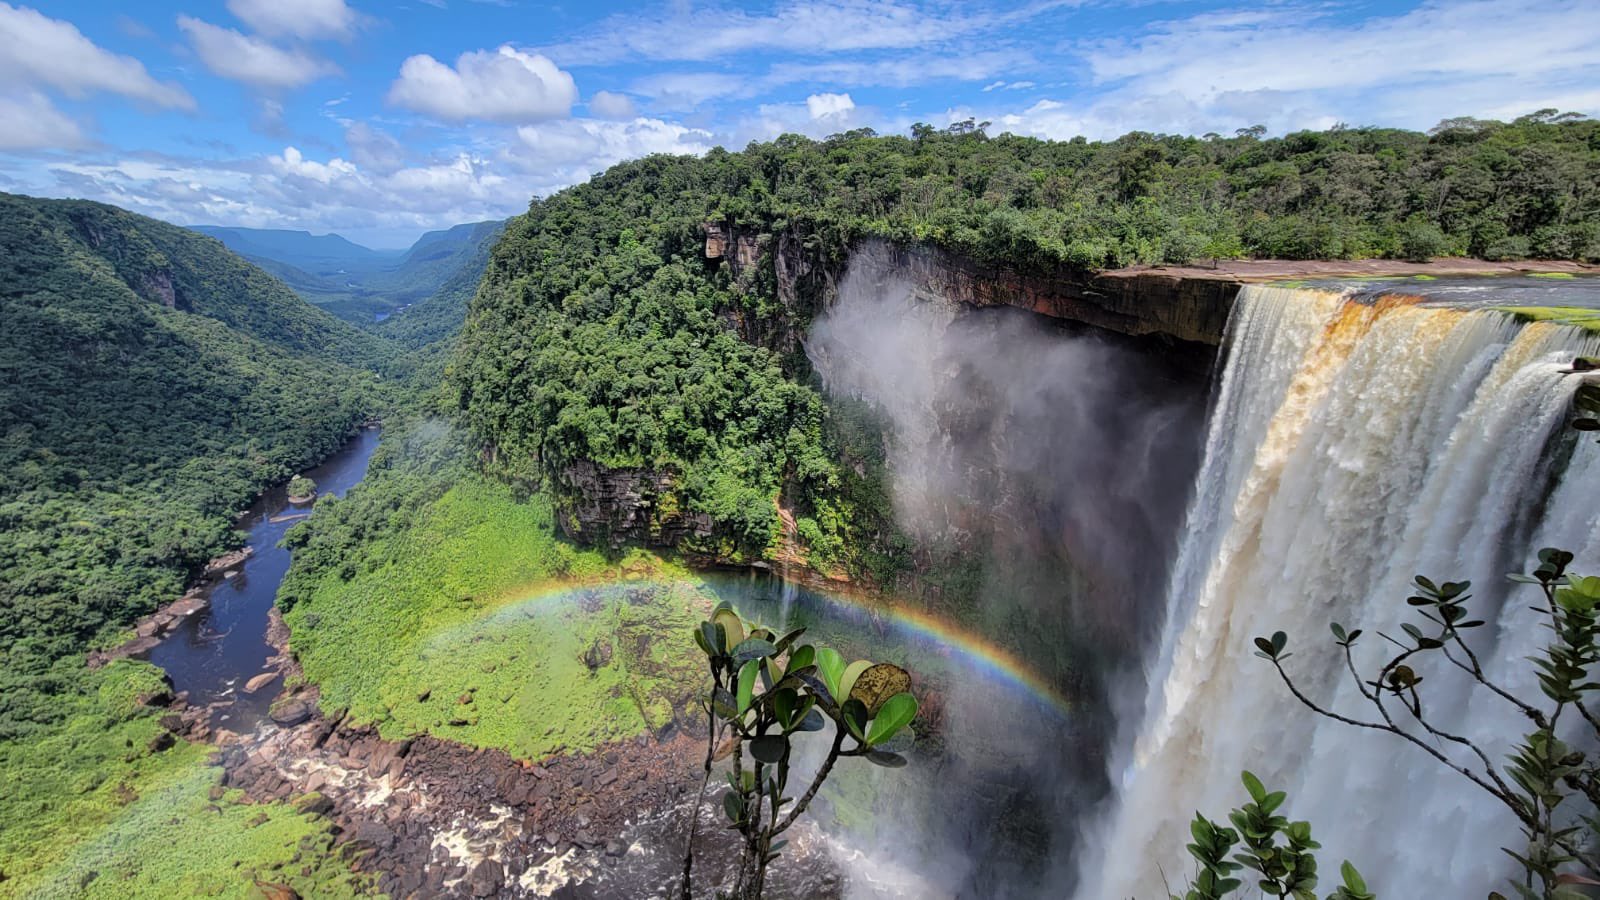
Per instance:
{"type": "Point", "coordinates": [1189, 306]}
{"type": "Point", "coordinates": [792, 281]}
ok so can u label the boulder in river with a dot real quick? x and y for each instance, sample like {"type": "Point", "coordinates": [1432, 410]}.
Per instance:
{"type": "Point", "coordinates": [289, 713]}
{"type": "Point", "coordinates": [259, 682]}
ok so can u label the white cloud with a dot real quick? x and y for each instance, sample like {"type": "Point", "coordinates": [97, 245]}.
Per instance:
{"type": "Point", "coordinates": [818, 116]}
{"type": "Point", "coordinates": [905, 71]}
{"type": "Point", "coordinates": [504, 85]}
{"type": "Point", "coordinates": [1294, 67]}
{"type": "Point", "coordinates": [570, 151]}
{"type": "Point", "coordinates": [829, 106]}
{"type": "Point", "coordinates": [374, 149]}
{"type": "Point", "coordinates": [28, 121]}
{"type": "Point", "coordinates": [305, 19]}
{"type": "Point", "coordinates": [684, 91]}
{"type": "Point", "coordinates": [609, 105]}
{"type": "Point", "coordinates": [373, 193]}
{"type": "Point", "coordinates": [804, 27]}
{"type": "Point", "coordinates": [251, 59]}
{"type": "Point", "coordinates": [36, 50]}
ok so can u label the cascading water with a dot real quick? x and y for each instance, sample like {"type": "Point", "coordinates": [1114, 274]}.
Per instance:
{"type": "Point", "coordinates": [1352, 445]}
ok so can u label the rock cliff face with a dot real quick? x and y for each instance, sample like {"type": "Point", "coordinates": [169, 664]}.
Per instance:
{"type": "Point", "coordinates": [1168, 306]}
{"type": "Point", "coordinates": [615, 506]}
{"type": "Point", "coordinates": [1146, 305]}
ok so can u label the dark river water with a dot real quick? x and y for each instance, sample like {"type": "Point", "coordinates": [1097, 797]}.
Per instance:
{"type": "Point", "coordinates": [215, 651]}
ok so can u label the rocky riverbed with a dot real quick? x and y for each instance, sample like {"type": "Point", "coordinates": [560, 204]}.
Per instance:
{"type": "Point", "coordinates": [432, 818]}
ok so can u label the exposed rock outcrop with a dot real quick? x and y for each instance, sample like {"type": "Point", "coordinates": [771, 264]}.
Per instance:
{"type": "Point", "coordinates": [611, 507]}
{"type": "Point", "coordinates": [1141, 303]}
{"type": "Point", "coordinates": [1146, 305]}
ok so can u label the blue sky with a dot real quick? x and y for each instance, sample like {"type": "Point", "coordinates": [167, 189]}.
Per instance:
{"type": "Point", "coordinates": [382, 120]}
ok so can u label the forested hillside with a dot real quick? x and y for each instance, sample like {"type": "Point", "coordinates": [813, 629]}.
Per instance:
{"type": "Point", "coordinates": [365, 286]}
{"type": "Point", "coordinates": [601, 334]}
{"type": "Point", "coordinates": [151, 383]}
{"type": "Point", "coordinates": [451, 263]}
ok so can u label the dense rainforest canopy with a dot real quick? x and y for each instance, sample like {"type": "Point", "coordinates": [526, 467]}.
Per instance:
{"type": "Point", "coordinates": [151, 383]}
{"type": "Point", "coordinates": [602, 334]}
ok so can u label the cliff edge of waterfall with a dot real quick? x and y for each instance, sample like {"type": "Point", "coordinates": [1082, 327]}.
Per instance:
{"type": "Point", "coordinates": [1188, 304]}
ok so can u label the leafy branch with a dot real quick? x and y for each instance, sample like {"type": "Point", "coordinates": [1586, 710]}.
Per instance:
{"type": "Point", "coordinates": [767, 691]}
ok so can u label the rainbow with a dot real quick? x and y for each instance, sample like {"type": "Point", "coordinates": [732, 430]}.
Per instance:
{"type": "Point", "coordinates": [984, 657]}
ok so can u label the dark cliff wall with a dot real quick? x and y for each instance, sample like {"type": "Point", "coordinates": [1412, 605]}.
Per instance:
{"type": "Point", "coordinates": [1170, 308]}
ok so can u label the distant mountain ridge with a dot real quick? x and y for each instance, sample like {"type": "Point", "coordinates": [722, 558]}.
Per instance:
{"type": "Point", "coordinates": [299, 248]}
{"type": "Point", "coordinates": [356, 283]}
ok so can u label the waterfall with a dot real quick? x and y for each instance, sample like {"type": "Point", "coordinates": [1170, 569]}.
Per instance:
{"type": "Point", "coordinates": [1351, 446]}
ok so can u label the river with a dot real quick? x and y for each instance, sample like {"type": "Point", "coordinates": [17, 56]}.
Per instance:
{"type": "Point", "coordinates": [214, 652]}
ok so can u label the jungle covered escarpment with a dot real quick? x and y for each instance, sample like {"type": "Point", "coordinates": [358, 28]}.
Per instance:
{"type": "Point", "coordinates": [663, 397]}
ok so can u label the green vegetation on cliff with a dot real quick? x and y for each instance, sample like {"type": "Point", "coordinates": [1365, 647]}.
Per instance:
{"type": "Point", "coordinates": [597, 338]}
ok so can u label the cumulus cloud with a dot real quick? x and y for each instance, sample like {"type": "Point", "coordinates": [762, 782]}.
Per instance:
{"type": "Point", "coordinates": [28, 121]}
{"type": "Point", "coordinates": [818, 116]}
{"type": "Point", "coordinates": [38, 51]}
{"type": "Point", "coordinates": [608, 105]}
{"type": "Point", "coordinates": [251, 59]}
{"type": "Point", "coordinates": [505, 85]}
{"type": "Point", "coordinates": [568, 152]}
{"type": "Point", "coordinates": [829, 106]}
{"type": "Point", "coordinates": [372, 191]}
{"type": "Point", "coordinates": [306, 19]}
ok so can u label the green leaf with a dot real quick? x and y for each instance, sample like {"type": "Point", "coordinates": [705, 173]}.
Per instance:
{"type": "Point", "coordinates": [802, 656]}
{"type": "Point", "coordinates": [733, 805]}
{"type": "Point", "coordinates": [1352, 878]}
{"type": "Point", "coordinates": [1279, 641]}
{"type": "Point", "coordinates": [854, 715]}
{"type": "Point", "coordinates": [747, 684]}
{"type": "Point", "coordinates": [1254, 786]}
{"type": "Point", "coordinates": [785, 704]}
{"type": "Point", "coordinates": [708, 639]}
{"type": "Point", "coordinates": [732, 626]}
{"type": "Point", "coordinates": [895, 714]}
{"type": "Point", "coordinates": [752, 648]}
{"type": "Point", "coordinates": [847, 681]}
{"type": "Point", "coordinates": [831, 666]}
{"type": "Point", "coordinates": [769, 748]}
{"type": "Point", "coordinates": [812, 721]}
{"type": "Point", "coordinates": [724, 704]}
